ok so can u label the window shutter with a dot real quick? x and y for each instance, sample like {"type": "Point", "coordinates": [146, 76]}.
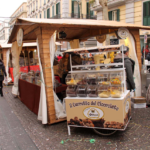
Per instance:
{"type": "Point", "coordinates": [110, 15]}
{"type": "Point", "coordinates": [57, 9]}
{"type": "Point", "coordinates": [79, 11]}
{"type": "Point", "coordinates": [91, 13]}
{"type": "Point", "coordinates": [53, 11]}
{"type": "Point", "coordinates": [87, 8]}
{"type": "Point", "coordinates": [48, 13]}
{"type": "Point", "coordinates": [72, 7]}
{"type": "Point", "coordinates": [118, 14]}
{"type": "Point", "coordinates": [145, 13]}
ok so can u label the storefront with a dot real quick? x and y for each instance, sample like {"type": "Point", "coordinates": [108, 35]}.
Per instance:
{"type": "Point", "coordinates": [45, 32]}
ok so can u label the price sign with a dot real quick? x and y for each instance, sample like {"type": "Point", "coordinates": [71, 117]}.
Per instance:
{"type": "Point", "coordinates": [145, 38]}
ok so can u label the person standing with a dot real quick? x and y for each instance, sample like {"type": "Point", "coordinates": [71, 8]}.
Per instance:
{"type": "Point", "coordinates": [59, 57]}
{"type": "Point", "coordinates": [129, 66]}
{"type": "Point", "coordinates": [2, 73]}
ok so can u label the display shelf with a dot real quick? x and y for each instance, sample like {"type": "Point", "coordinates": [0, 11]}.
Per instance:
{"type": "Point", "coordinates": [106, 65]}
{"type": "Point", "coordinates": [96, 71]}
{"type": "Point", "coordinates": [98, 98]}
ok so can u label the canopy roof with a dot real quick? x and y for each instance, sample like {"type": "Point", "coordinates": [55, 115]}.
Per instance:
{"type": "Point", "coordinates": [74, 28]}
{"type": "Point", "coordinates": [95, 49]}
{"type": "Point", "coordinates": [3, 44]}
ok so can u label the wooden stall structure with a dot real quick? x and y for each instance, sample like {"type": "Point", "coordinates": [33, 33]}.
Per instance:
{"type": "Point", "coordinates": [43, 29]}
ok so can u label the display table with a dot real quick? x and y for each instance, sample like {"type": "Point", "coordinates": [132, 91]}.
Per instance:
{"type": "Point", "coordinates": [34, 68]}
{"type": "Point", "coordinates": [100, 113]}
{"type": "Point", "coordinates": [30, 94]}
{"type": "Point", "coordinates": [22, 69]}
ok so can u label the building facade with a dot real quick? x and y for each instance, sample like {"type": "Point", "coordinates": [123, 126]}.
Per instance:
{"type": "Point", "coordinates": [129, 11]}
{"type": "Point", "coordinates": [62, 9]}
{"type": "Point", "coordinates": [4, 30]}
{"type": "Point", "coordinates": [21, 12]}
{"type": "Point", "coordinates": [59, 9]}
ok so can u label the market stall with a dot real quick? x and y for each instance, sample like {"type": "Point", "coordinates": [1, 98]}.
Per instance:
{"type": "Point", "coordinates": [46, 32]}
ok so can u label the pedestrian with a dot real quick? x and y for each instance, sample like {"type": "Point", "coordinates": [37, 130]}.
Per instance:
{"type": "Point", "coordinates": [129, 66]}
{"type": "Point", "coordinates": [2, 73]}
{"type": "Point", "coordinates": [59, 57]}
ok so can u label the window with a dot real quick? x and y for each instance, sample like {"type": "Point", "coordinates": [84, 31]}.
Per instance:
{"type": "Point", "coordinates": [44, 1]}
{"type": "Point", "coordinates": [48, 13]}
{"type": "Point", "coordinates": [36, 16]}
{"type": "Point", "coordinates": [75, 9]}
{"type": "Point", "coordinates": [57, 8]}
{"type": "Point", "coordinates": [36, 5]}
{"type": "Point", "coordinates": [40, 3]}
{"type": "Point", "coordinates": [146, 13]}
{"type": "Point", "coordinates": [88, 11]}
{"type": "Point", "coordinates": [40, 16]}
{"type": "Point", "coordinates": [44, 13]}
{"type": "Point", "coordinates": [114, 15]}
{"type": "Point", "coordinates": [53, 11]}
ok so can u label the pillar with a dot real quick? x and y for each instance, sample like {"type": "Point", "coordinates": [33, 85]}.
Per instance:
{"type": "Point", "coordinates": [4, 52]}
{"type": "Point", "coordinates": [44, 35]}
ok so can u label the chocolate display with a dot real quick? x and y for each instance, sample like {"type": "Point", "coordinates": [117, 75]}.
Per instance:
{"type": "Point", "coordinates": [113, 124]}
{"type": "Point", "coordinates": [82, 82]}
{"type": "Point", "coordinates": [92, 91]}
{"type": "Point", "coordinates": [71, 91]}
{"type": "Point", "coordinates": [87, 122]}
{"type": "Point", "coordinates": [81, 91]}
{"type": "Point", "coordinates": [81, 122]}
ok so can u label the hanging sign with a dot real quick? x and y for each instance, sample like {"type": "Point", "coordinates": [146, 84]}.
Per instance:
{"type": "Point", "coordinates": [145, 38]}
{"type": "Point", "coordinates": [123, 33]}
{"type": "Point", "coordinates": [101, 38]}
{"type": "Point", "coordinates": [20, 37]}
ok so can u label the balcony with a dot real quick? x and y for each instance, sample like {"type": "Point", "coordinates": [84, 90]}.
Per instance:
{"type": "Point", "coordinates": [95, 6]}
{"type": "Point", "coordinates": [73, 16]}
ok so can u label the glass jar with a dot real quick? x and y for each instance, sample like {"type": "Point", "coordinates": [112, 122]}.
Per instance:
{"type": "Point", "coordinates": [103, 79]}
{"type": "Point", "coordinates": [92, 79]}
{"type": "Point", "coordinates": [92, 91]}
{"type": "Point", "coordinates": [70, 79]}
{"type": "Point", "coordinates": [104, 91]}
{"type": "Point", "coordinates": [116, 78]}
{"type": "Point", "coordinates": [81, 79]}
{"type": "Point", "coordinates": [71, 91]}
{"type": "Point", "coordinates": [116, 91]}
{"type": "Point", "coordinates": [81, 91]}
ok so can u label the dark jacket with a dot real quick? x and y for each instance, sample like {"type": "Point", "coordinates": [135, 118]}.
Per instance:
{"type": "Point", "coordinates": [76, 60]}
{"type": "Point", "coordinates": [129, 66]}
{"type": "Point", "coordinates": [2, 68]}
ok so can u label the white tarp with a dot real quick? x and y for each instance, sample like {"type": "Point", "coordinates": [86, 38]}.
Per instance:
{"type": "Point", "coordinates": [42, 113]}
{"type": "Point", "coordinates": [15, 50]}
{"type": "Point", "coordinates": [7, 67]}
{"type": "Point", "coordinates": [59, 110]}
{"type": "Point", "coordinates": [137, 77]}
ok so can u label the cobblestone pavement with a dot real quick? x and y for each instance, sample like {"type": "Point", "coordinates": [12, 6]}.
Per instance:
{"type": "Point", "coordinates": [136, 136]}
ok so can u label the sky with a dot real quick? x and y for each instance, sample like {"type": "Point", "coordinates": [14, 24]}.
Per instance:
{"type": "Point", "coordinates": [8, 7]}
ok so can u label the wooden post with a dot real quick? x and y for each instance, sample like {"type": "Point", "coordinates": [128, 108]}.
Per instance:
{"type": "Point", "coordinates": [136, 36]}
{"type": "Point", "coordinates": [4, 52]}
{"type": "Point", "coordinates": [44, 35]}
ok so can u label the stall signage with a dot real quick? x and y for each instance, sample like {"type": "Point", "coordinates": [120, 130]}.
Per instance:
{"type": "Point", "coordinates": [93, 113]}
{"type": "Point", "coordinates": [114, 41]}
{"type": "Point", "coordinates": [145, 38]}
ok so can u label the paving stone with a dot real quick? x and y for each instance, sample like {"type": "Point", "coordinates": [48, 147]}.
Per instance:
{"type": "Point", "coordinates": [136, 136]}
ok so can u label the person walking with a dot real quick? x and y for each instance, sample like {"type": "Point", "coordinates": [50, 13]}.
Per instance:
{"type": "Point", "coordinates": [2, 73]}
{"type": "Point", "coordinates": [129, 66]}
